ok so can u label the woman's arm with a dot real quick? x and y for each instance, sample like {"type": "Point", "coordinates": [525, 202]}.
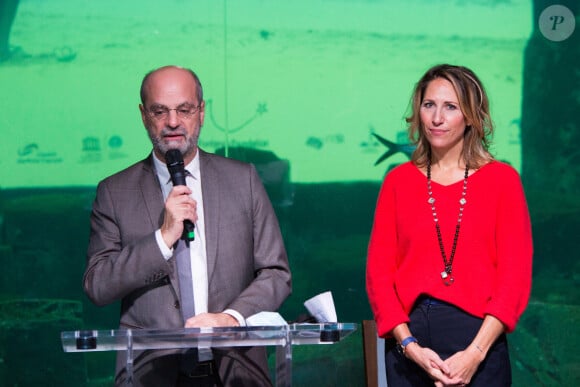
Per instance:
{"type": "Point", "coordinates": [426, 358]}
{"type": "Point", "coordinates": [463, 365]}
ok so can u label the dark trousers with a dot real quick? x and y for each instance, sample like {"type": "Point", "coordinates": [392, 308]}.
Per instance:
{"type": "Point", "coordinates": [175, 371]}
{"type": "Point", "coordinates": [446, 330]}
{"type": "Point", "coordinates": [232, 367]}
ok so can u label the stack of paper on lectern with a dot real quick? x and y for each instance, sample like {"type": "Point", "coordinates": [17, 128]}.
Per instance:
{"type": "Point", "coordinates": [321, 307]}
{"type": "Point", "coordinates": [265, 319]}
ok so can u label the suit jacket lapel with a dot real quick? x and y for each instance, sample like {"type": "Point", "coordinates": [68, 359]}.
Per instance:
{"type": "Point", "coordinates": [209, 190]}
{"type": "Point", "coordinates": [153, 198]}
{"type": "Point", "coordinates": [151, 191]}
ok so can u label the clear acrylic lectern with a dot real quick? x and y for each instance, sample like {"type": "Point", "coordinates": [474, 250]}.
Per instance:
{"type": "Point", "coordinates": [283, 337]}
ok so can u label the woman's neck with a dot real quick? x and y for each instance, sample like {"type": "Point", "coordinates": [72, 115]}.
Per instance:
{"type": "Point", "coordinates": [447, 168]}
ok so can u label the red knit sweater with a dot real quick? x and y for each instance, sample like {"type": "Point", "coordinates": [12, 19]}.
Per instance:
{"type": "Point", "coordinates": [493, 261]}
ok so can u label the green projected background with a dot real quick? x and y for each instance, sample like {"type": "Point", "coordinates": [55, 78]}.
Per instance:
{"type": "Point", "coordinates": [299, 88]}
{"type": "Point", "coordinates": [307, 80]}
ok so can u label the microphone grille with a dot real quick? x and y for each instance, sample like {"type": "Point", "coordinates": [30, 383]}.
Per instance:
{"type": "Point", "coordinates": [173, 157]}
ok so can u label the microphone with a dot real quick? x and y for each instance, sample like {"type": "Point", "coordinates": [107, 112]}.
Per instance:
{"type": "Point", "coordinates": [174, 161]}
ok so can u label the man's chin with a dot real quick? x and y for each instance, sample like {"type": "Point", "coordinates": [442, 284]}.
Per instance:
{"type": "Point", "coordinates": [183, 148]}
{"type": "Point", "coordinates": [174, 144]}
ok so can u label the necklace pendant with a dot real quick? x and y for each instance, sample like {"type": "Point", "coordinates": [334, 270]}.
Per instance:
{"type": "Point", "coordinates": [446, 275]}
{"type": "Point", "coordinates": [447, 278]}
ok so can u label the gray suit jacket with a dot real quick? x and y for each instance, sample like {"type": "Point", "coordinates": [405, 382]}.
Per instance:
{"type": "Point", "coordinates": [248, 268]}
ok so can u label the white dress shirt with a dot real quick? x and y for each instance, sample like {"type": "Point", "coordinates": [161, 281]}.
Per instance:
{"type": "Point", "coordinates": [199, 275]}
{"type": "Point", "coordinates": [197, 246]}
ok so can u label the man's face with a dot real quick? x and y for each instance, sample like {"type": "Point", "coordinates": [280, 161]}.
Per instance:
{"type": "Point", "coordinates": [172, 114]}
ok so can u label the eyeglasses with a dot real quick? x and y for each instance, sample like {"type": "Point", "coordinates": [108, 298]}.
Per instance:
{"type": "Point", "coordinates": [184, 111]}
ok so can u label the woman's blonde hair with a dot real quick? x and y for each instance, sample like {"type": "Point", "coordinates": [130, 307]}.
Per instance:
{"type": "Point", "coordinates": [474, 105]}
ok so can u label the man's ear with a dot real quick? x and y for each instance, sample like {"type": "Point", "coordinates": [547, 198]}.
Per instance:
{"type": "Point", "coordinates": [143, 112]}
{"type": "Point", "coordinates": [201, 112]}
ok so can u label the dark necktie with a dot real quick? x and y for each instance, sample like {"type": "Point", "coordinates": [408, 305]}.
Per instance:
{"type": "Point", "coordinates": [183, 260]}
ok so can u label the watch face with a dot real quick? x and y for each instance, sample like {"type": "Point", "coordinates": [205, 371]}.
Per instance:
{"type": "Point", "coordinates": [401, 347]}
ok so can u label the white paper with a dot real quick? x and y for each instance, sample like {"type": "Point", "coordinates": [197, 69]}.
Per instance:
{"type": "Point", "coordinates": [265, 319]}
{"type": "Point", "coordinates": [321, 307]}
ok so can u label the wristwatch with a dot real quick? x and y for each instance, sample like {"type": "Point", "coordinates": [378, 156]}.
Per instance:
{"type": "Point", "coordinates": [406, 341]}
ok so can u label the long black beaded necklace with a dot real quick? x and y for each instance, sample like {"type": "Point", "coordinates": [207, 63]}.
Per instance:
{"type": "Point", "coordinates": [446, 275]}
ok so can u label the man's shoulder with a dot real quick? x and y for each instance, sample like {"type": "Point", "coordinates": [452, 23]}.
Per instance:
{"type": "Point", "coordinates": [130, 173]}
{"type": "Point", "coordinates": [221, 162]}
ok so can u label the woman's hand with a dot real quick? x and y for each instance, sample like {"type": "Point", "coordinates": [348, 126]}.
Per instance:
{"type": "Point", "coordinates": [463, 365]}
{"type": "Point", "coordinates": [436, 368]}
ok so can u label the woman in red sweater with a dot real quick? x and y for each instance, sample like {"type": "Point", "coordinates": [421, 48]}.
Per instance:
{"type": "Point", "coordinates": [450, 255]}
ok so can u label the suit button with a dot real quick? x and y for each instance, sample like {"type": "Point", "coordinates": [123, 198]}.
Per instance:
{"type": "Point", "coordinates": [176, 304]}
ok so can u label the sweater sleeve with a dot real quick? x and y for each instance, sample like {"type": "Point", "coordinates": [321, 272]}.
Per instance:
{"type": "Point", "coordinates": [381, 263]}
{"type": "Point", "coordinates": [512, 285]}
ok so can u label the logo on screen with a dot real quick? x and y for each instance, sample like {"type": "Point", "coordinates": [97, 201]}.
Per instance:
{"type": "Point", "coordinates": [31, 153]}
{"type": "Point", "coordinates": [93, 151]}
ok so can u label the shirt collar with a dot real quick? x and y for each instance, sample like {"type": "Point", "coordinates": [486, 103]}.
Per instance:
{"type": "Point", "coordinates": [163, 172]}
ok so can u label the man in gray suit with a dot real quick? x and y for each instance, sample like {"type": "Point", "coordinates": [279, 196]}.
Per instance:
{"type": "Point", "coordinates": [238, 261]}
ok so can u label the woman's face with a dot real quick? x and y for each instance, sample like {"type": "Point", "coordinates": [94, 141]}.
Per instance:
{"type": "Point", "coordinates": [442, 120]}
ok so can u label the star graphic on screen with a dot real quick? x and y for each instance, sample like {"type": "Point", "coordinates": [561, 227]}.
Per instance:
{"type": "Point", "coordinates": [393, 148]}
{"type": "Point", "coordinates": [262, 108]}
